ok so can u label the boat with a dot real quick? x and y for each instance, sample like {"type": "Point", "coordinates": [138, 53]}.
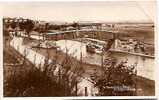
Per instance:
{"type": "Point", "coordinates": [92, 48]}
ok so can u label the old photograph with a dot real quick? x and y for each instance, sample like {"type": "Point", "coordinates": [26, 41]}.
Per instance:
{"type": "Point", "coordinates": [67, 49]}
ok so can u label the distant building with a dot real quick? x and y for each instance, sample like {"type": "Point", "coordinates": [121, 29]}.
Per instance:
{"type": "Point", "coordinates": [10, 20]}
{"type": "Point", "coordinates": [54, 35]}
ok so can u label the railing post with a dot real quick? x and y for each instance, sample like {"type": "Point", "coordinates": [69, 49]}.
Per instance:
{"type": "Point", "coordinates": [59, 75]}
{"type": "Point", "coordinates": [86, 94]}
{"type": "Point", "coordinates": [76, 88]}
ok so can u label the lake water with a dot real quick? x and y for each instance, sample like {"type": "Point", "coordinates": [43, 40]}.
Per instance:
{"type": "Point", "coordinates": [145, 65]}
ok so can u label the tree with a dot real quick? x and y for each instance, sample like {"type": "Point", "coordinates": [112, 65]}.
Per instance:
{"type": "Point", "coordinates": [22, 26]}
{"type": "Point", "coordinates": [28, 26]}
{"type": "Point", "coordinates": [13, 25]}
{"type": "Point", "coordinates": [117, 79]}
{"type": "Point", "coordinates": [75, 25]}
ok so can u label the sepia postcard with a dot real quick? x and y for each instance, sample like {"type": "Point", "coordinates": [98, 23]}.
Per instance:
{"type": "Point", "coordinates": [79, 49]}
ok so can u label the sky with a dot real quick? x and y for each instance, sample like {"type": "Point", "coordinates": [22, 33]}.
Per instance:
{"type": "Point", "coordinates": [107, 11]}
